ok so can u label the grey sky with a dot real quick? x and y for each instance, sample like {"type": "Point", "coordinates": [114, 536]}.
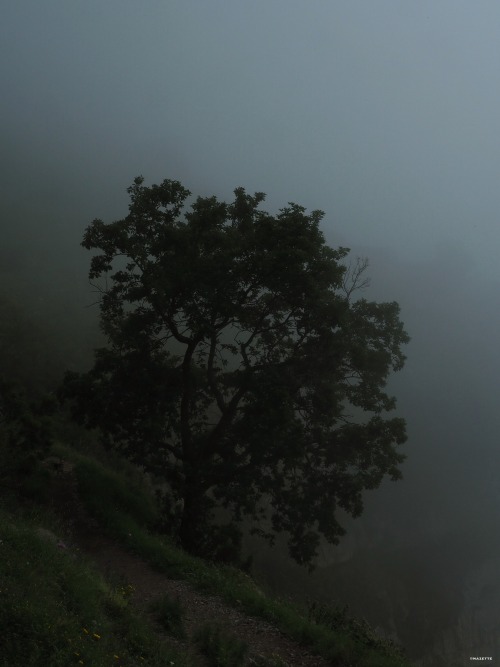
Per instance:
{"type": "Point", "coordinates": [385, 114]}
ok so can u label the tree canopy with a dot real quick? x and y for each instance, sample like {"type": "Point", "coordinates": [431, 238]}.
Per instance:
{"type": "Point", "coordinates": [240, 368]}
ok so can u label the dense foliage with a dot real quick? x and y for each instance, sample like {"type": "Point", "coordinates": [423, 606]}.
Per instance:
{"type": "Point", "coordinates": [25, 432]}
{"type": "Point", "coordinates": [239, 367]}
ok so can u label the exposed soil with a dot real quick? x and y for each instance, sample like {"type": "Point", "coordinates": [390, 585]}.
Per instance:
{"type": "Point", "coordinates": [117, 564]}
{"type": "Point", "coordinates": [262, 638]}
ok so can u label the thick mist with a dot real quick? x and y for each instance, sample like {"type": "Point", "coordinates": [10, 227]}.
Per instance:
{"type": "Point", "coordinates": [385, 115]}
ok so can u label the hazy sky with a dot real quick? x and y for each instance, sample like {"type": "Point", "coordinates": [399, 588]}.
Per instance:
{"type": "Point", "coordinates": [385, 114]}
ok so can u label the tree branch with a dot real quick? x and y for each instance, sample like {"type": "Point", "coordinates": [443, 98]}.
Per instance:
{"type": "Point", "coordinates": [226, 419]}
{"type": "Point", "coordinates": [211, 374]}
{"type": "Point", "coordinates": [352, 281]}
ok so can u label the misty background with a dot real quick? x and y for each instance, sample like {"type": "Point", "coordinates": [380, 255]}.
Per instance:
{"type": "Point", "coordinates": [386, 115]}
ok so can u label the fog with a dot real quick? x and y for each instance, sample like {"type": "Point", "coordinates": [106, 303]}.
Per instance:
{"type": "Point", "coordinates": [386, 115]}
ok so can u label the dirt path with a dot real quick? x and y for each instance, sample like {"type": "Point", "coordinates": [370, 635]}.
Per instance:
{"type": "Point", "coordinates": [119, 565]}
{"type": "Point", "coordinates": [263, 639]}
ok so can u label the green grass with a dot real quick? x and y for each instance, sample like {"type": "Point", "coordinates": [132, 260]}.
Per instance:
{"type": "Point", "coordinates": [169, 614]}
{"type": "Point", "coordinates": [338, 618]}
{"type": "Point", "coordinates": [272, 661]}
{"type": "Point", "coordinates": [127, 511]}
{"type": "Point", "coordinates": [108, 493]}
{"type": "Point", "coordinates": [56, 610]}
{"type": "Point", "coordinates": [221, 648]}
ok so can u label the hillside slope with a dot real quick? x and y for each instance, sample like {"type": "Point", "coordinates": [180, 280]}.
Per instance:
{"type": "Point", "coordinates": [148, 602]}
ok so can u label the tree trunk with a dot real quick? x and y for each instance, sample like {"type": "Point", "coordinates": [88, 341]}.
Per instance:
{"type": "Point", "coordinates": [194, 520]}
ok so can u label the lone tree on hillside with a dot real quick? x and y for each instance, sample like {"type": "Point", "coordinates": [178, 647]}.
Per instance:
{"type": "Point", "coordinates": [237, 359]}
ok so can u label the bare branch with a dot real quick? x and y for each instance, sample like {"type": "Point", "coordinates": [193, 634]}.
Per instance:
{"type": "Point", "coordinates": [353, 277]}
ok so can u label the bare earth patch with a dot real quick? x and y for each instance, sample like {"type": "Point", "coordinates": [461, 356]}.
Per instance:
{"type": "Point", "coordinates": [263, 639]}
{"type": "Point", "coordinates": [119, 565]}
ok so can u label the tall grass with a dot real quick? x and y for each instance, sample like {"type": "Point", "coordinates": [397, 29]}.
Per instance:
{"type": "Point", "coordinates": [170, 615]}
{"type": "Point", "coordinates": [109, 493]}
{"type": "Point", "coordinates": [56, 610]}
{"type": "Point", "coordinates": [221, 648]}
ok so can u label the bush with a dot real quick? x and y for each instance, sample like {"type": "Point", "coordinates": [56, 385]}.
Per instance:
{"type": "Point", "coordinates": [337, 618]}
{"type": "Point", "coordinates": [25, 435]}
{"type": "Point", "coordinates": [107, 493]}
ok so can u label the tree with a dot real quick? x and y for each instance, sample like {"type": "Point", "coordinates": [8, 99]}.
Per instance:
{"type": "Point", "coordinates": [25, 432]}
{"type": "Point", "coordinates": [237, 358]}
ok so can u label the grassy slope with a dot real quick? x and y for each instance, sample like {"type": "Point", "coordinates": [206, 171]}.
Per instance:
{"type": "Point", "coordinates": [53, 605]}
{"type": "Point", "coordinates": [56, 610]}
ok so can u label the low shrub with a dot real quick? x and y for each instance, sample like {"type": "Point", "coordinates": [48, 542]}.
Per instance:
{"type": "Point", "coordinates": [221, 648]}
{"type": "Point", "coordinates": [169, 614]}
